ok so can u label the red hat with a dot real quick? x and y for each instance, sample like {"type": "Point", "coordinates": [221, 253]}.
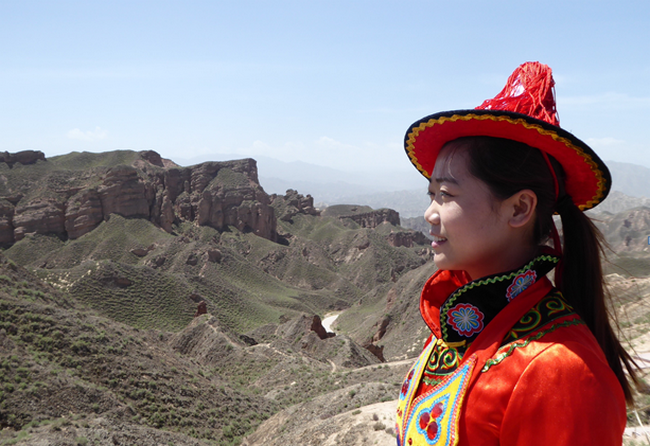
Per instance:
{"type": "Point", "coordinates": [524, 111]}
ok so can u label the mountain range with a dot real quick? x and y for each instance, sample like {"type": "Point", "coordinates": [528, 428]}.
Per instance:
{"type": "Point", "coordinates": [143, 302]}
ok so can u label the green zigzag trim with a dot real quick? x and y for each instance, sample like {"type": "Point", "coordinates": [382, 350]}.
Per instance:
{"type": "Point", "coordinates": [495, 279]}
{"type": "Point", "coordinates": [501, 356]}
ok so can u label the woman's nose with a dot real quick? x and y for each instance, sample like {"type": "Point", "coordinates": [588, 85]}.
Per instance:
{"type": "Point", "coordinates": [431, 215]}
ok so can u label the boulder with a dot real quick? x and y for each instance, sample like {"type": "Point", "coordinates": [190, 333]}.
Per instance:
{"type": "Point", "coordinates": [139, 252]}
{"type": "Point", "coordinates": [214, 255]}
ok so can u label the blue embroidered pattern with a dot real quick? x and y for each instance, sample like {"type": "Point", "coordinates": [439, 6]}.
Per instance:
{"type": "Point", "coordinates": [521, 282]}
{"type": "Point", "coordinates": [466, 319]}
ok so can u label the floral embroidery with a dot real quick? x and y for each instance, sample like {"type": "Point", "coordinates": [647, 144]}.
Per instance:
{"type": "Point", "coordinates": [466, 319]}
{"type": "Point", "coordinates": [405, 386]}
{"type": "Point", "coordinates": [428, 423]}
{"type": "Point", "coordinates": [521, 282]}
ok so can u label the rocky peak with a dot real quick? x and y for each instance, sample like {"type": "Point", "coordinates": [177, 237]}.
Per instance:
{"type": "Point", "coordinates": [291, 204]}
{"type": "Point", "coordinates": [152, 158]}
{"type": "Point", "coordinates": [25, 157]}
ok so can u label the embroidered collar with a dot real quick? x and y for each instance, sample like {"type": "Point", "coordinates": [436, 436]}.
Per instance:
{"type": "Point", "coordinates": [468, 310]}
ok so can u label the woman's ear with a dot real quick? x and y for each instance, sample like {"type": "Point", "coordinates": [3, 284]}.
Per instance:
{"type": "Point", "coordinates": [521, 208]}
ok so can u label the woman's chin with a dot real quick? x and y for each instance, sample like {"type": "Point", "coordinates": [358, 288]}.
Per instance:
{"type": "Point", "coordinates": [441, 262]}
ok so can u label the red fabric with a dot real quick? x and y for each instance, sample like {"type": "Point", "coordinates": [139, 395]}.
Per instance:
{"type": "Point", "coordinates": [558, 390]}
{"type": "Point", "coordinates": [437, 288]}
{"type": "Point", "coordinates": [529, 90]}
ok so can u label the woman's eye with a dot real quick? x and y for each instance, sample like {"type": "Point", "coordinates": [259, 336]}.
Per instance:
{"type": "Point", "coordinates": [441, 194]}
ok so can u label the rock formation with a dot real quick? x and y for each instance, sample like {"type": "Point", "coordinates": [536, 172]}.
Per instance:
{"type": "Point", "coordinates": [40, 215]}
{"type": "Point", "coordinates": [24, 157]}
{"type": "Point", "coordinates": [377, 350]}
{"type": "Point", "coordinates": [375, 218]}
{"type": "Point", "coordinates": [216, 194]}
{"type": "Point", "coordinates": [292, 204]}
{"type": "Point", "coordinates": [301, 326]}
{"type": "Point", "coordinates": [381, 327]}
{"type": "Point", "coordinates": [6, 222]}
{"type": "Point", "coordinates": [317, 327]}
{"type": "Point", "coordinates": [83, 214]}
{"type": "Point", "coordinates": [201, 309]}
{"type": "Point", "coordinates": [406, 238]}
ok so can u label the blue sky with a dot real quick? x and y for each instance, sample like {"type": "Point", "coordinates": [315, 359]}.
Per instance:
{"type": "Point", "coordinates": [333, 83]}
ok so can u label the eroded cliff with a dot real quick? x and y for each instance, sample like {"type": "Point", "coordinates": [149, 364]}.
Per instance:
{"type": "Point", "coordinates": [70, 196]}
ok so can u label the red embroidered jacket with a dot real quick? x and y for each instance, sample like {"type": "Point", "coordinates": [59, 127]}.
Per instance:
{"type": "Point", "coordinates": [540, 376]}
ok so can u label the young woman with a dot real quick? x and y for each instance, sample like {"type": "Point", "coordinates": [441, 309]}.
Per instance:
{"type": "Point", "coordinates": [513, 359]}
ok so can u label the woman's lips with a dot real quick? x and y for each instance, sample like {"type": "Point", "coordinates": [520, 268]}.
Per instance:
{"type": "Point", "coordinates": [437, 241]}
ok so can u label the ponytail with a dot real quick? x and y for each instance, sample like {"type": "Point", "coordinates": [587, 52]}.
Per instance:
{"type": "Point", "coordinates": [582, 286]}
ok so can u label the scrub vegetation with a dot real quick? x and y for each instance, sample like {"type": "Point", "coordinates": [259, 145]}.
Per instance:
{"type": "Point", "coordinates": [99, 344]}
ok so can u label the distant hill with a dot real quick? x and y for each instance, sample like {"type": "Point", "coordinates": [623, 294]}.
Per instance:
{"type": "Point", "coordinates": [631, 179]}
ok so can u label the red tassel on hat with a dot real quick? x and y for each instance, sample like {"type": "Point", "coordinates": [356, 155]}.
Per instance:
{"type": "Point", "coordinates": [529, 90]}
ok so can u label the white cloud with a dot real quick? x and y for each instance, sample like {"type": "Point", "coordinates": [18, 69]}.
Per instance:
{"type": "Point", "coordinates": [90, 135]}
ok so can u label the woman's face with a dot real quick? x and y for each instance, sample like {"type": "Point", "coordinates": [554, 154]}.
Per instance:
{"type": "Point", "coordinates": [469, 226]}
